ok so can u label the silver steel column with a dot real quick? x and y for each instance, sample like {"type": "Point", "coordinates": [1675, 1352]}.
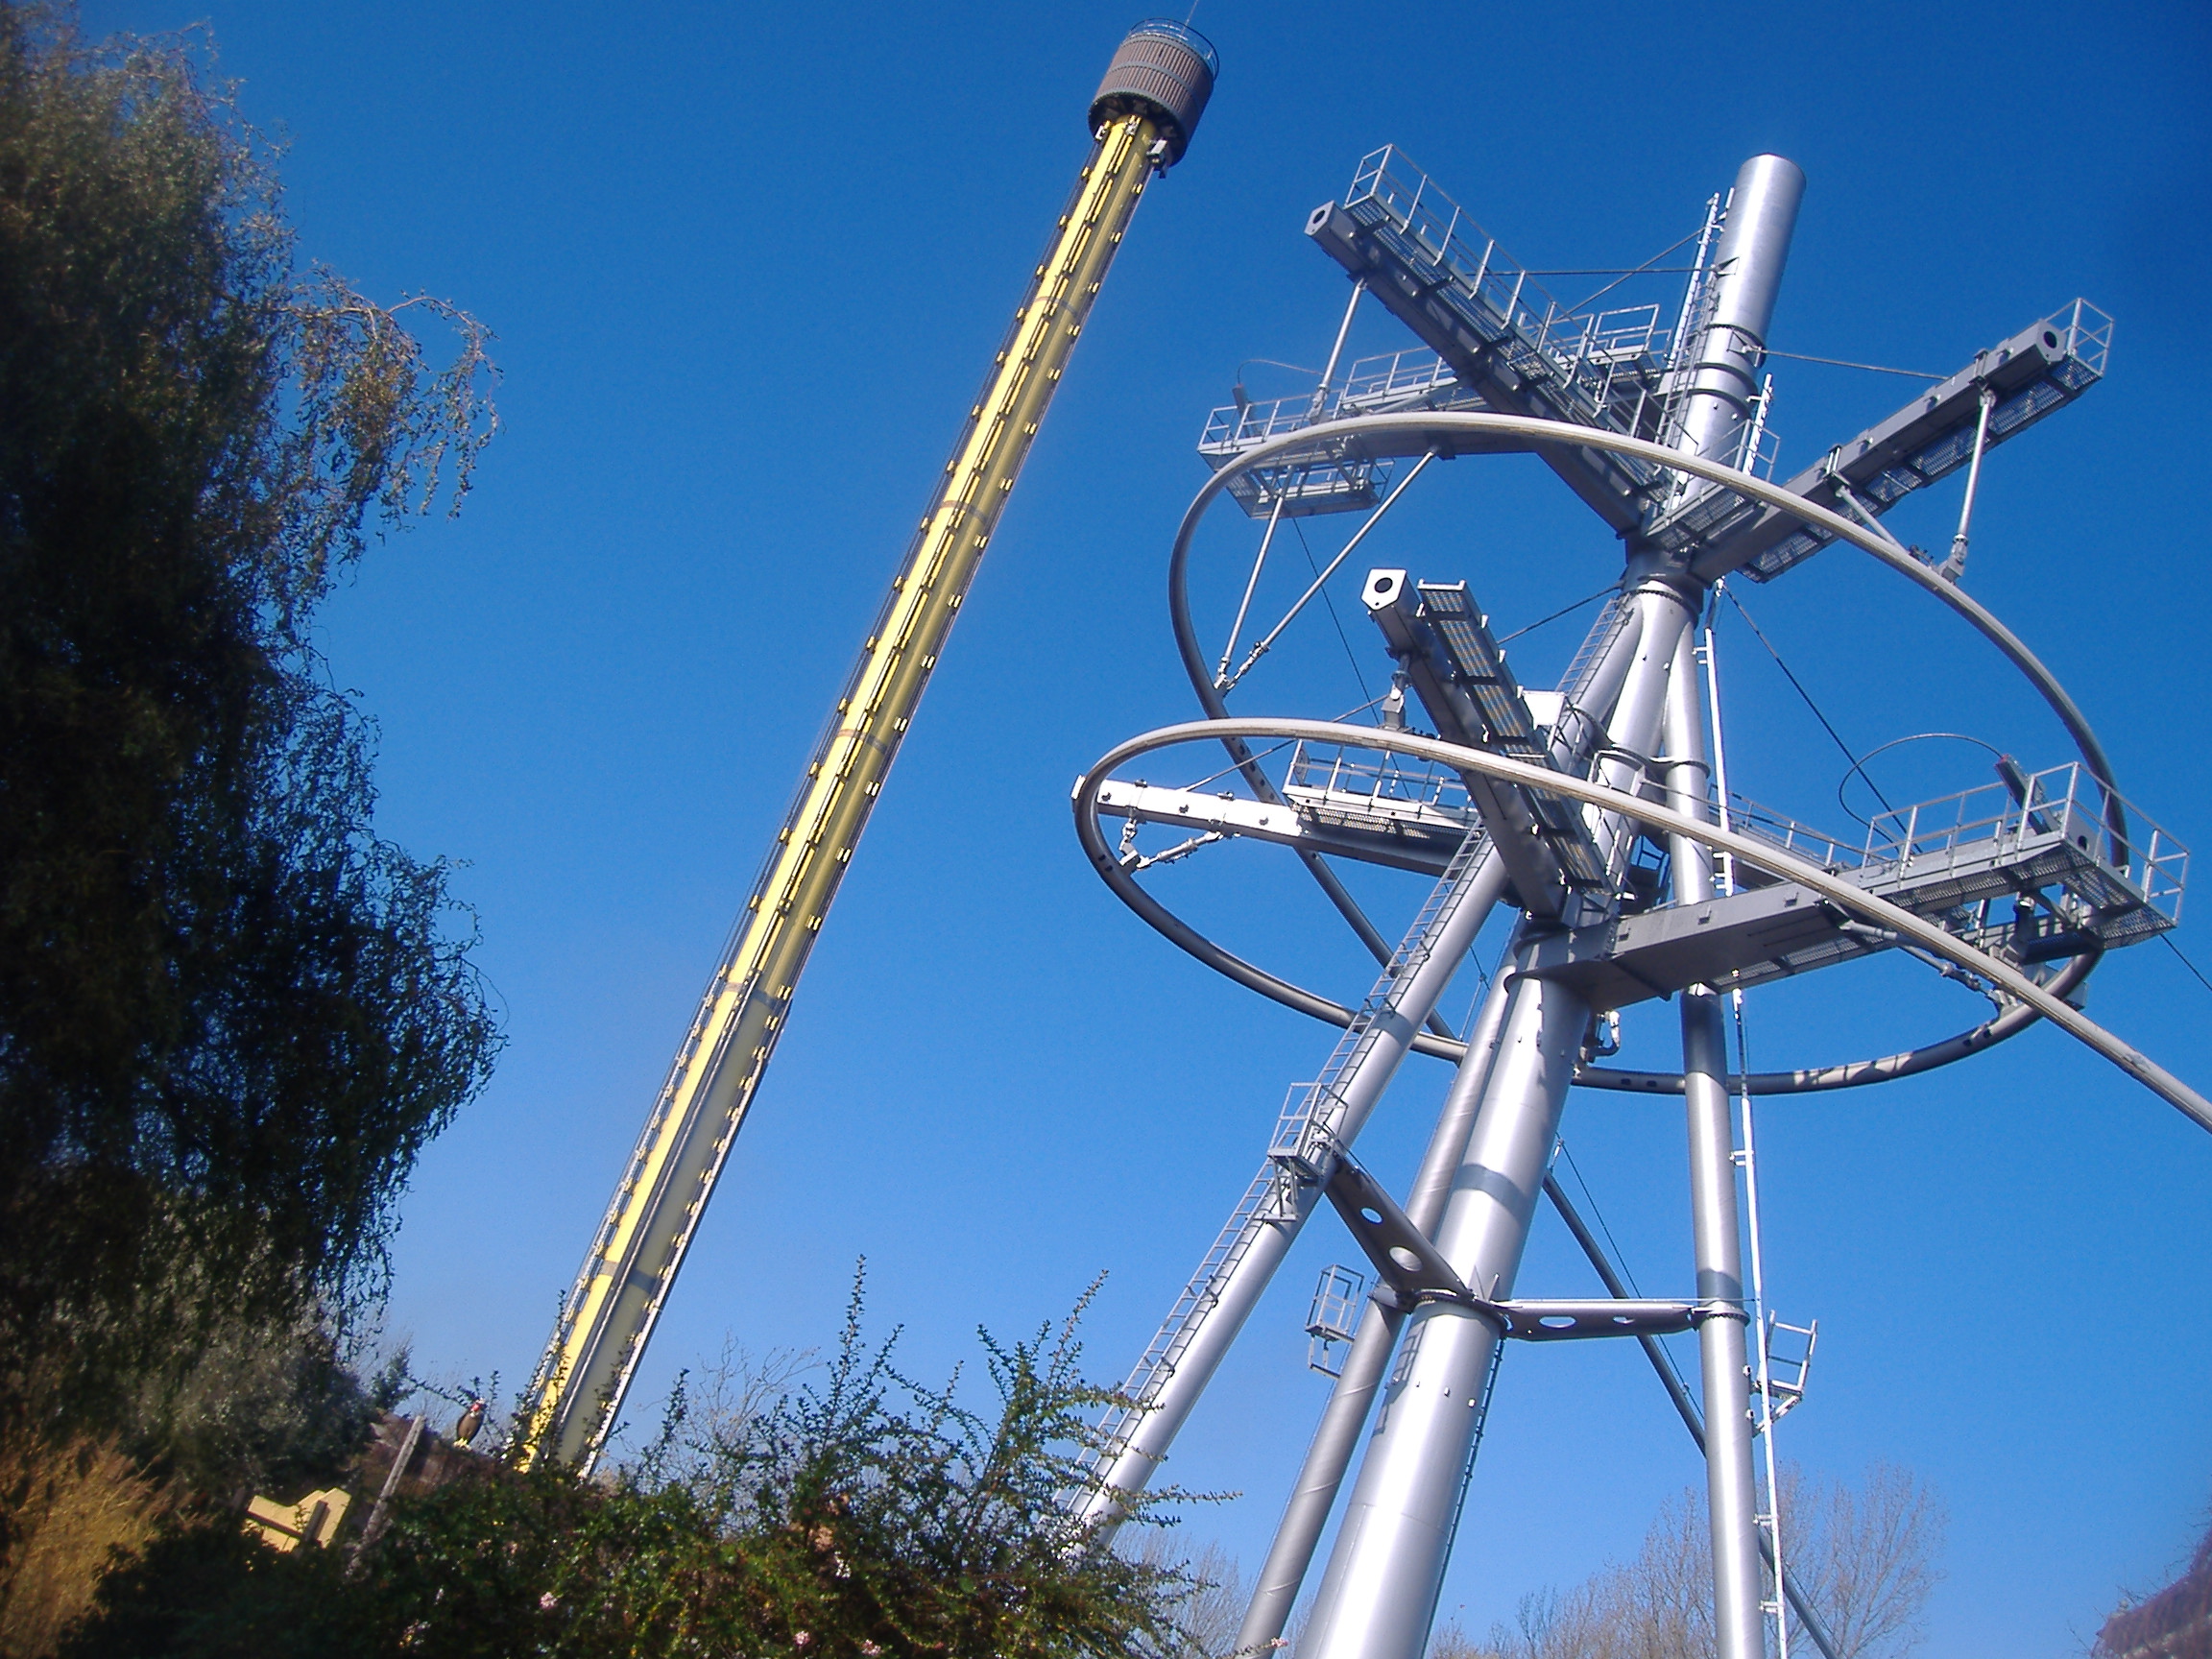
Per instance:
{"type": "Point", "coordinates": [1338, 1435]}
{"type": "Point", "coordinates": [1722, 367]}
{"type": "Point", "coordinates": [1723, 383]}
{"type": "Point", "coordinates": [1732, 1498]}
{"type": "Point", "coordinates": [1236, 1271]}
{"type": "Point", "coordinates": [1378, 1596]}
{"type": "Point", "coordinates": [1380, 1591]}
{"type": "Point", "coordinates": [1221, 1294]}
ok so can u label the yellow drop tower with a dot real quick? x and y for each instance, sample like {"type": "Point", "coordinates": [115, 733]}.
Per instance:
{"type": "Point", "coordinates": [1141, 120]}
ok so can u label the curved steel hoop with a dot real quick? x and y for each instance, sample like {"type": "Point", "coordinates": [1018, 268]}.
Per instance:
{"type": "Point", "coordinates": [1749, 850]}
{"type": "Point", "coordinates": [1430, 434]}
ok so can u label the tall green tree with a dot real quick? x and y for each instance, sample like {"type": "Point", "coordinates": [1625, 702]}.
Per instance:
{"type": "Point", "coordinates": [230, 1014]}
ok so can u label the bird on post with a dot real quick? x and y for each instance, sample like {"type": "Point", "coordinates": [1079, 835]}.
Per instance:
{"type": "Point", "coordinates": [472, 1420]}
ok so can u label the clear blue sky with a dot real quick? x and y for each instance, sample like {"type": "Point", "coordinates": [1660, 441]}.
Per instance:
{"type": "Point", "coordinates": [747, 265]}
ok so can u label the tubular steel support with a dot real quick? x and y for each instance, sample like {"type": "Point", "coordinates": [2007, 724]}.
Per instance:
{"type": "Point", "coordinates": [1731, 1489]}
{"type": "Point", "coordinates": [1378, 1597]}
{"type": "Point", "coordinates": [1425, 1528]}
{"type": "Point", "coordinates": [1955, 566]}
{"type": "Point", "coordinates": [1151, 98]}
{"type": "Point", "coordinates": [1378, 1592]}
{"type": "Point", "coordinates": [1685, 1407]}
{"type": "Point", "coordinates": [1337, 1437]}
{"type": "Point", "coordinates": [1181, 1360]}
{"type": "Point", "coordinates": [1592, 937]}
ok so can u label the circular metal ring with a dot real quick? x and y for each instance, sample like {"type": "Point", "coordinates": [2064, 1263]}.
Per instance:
{"type": "Point", "coordinates": [1749, 850]}
{"type": "Point", "coordinates": [1486, 433]}
{"type": "Point", "coordinates": [1858, 767]}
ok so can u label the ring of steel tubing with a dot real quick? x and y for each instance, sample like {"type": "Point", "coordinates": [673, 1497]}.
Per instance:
{"type": "Point", "coordinates": [1749, 850]}
{"type": "Point", "coordinates": [1516, 434]}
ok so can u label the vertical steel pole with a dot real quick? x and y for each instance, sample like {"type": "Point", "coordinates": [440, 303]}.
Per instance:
{"type": "Point", "coordinates": [1722, 367]}
{"type": "Point", "coordinates": [1746, 277]}
{"type": "Point", "coordinates": [1379, 1590]}
{"type": "Point", "coordinates": [1725, 875]}
{"type": "Point", "coordinates": [1762, 1329]}
{"type": "Point", "coordinates": [1378, 1597]}
{"type": "Point", "coordinates": [1732, 1497]}
{"type": "Point", "coordinates": [1337, 1437]}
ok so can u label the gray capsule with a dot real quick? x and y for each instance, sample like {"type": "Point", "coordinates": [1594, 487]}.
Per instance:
{"type": "Point", "coordinates": [1164, 71]}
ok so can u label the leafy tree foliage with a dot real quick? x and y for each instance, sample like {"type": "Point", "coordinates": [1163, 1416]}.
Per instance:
{"type": "Point", "coordinates": [231, 1015]}
{"type": "Point", "coordinates": [862, 1516]}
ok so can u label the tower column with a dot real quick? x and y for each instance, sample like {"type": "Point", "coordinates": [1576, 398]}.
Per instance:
{"type": "Point", "coordinates": [1722, 364]}
{"type": "Point", "coordinates": [1377, 1598]}
{"type": "Point", "coordinates": [1731, 1491]}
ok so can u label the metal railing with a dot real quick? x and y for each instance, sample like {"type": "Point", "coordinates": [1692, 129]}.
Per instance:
{"type": "Point", "coordinates": [2060, 809]}
{"type": "Point", "coordinates": [1585, 354]}
{"type": "Point", "coordinates": [1307, 1137]}
{"type": "Point", "coordinates": [1117, 1430]}
{"type": "Point", "coordinates": [1184, 34]}
{"type": "Point", "coordinates": [1339, 1300]}
{"type": "Point", "coordinates": [1399, 786]}
{"type": "Point", "coordinates": [2006, 820]}
{"type": "Point", "coordinates": [1239, 426]}
{"type": "Point", "coordinates": [1371, 386]}
{"type": "Point", "coordinates": [1616, 336]}
{"type": "Point", "coordinates": [1800, 840]}
{"type": "Point", "coordinates": [1405, 376]}
{"type": "Point", "coordinates": [2086, 330]}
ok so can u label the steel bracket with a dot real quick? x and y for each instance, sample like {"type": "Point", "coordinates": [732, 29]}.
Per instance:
{"type": "Point", "coordinates": [1410, 1267]}
{"type": "Point", "coordinates": [1412, 1270]}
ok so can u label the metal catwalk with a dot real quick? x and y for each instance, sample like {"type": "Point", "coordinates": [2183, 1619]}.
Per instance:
{"type": "Point", "coordinates": [1598, 814]}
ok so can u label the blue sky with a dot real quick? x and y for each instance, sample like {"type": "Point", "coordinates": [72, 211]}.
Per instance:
{"type": "Point", "coordinates": [747, 265]}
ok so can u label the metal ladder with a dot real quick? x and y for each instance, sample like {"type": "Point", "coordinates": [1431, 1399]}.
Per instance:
{"type": "Point", "coordinates": [1474, 1447]}
{"type": "Point", "coordinates": [1280, 1194]}
{"type": "Point", "coordinates": [1610, 619]}
{"type": "Point", "coordinates": [1598, 369]}
{"type": "Point", "coordinates": [1304, 1135]}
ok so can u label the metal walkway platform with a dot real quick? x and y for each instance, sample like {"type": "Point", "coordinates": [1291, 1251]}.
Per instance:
{"type": "Point", "coordinates": [2025, 869]}
{"type": "Point", "coordinates": [1337, 477]}
{"type": "Point", "coordinates": [1498, 341]}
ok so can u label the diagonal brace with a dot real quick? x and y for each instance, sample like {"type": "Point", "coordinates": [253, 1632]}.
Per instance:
{"type": "Point", "coordinates": [1409, 1266]}
{"type": "Point", "coordinates": [1412, 1270]}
